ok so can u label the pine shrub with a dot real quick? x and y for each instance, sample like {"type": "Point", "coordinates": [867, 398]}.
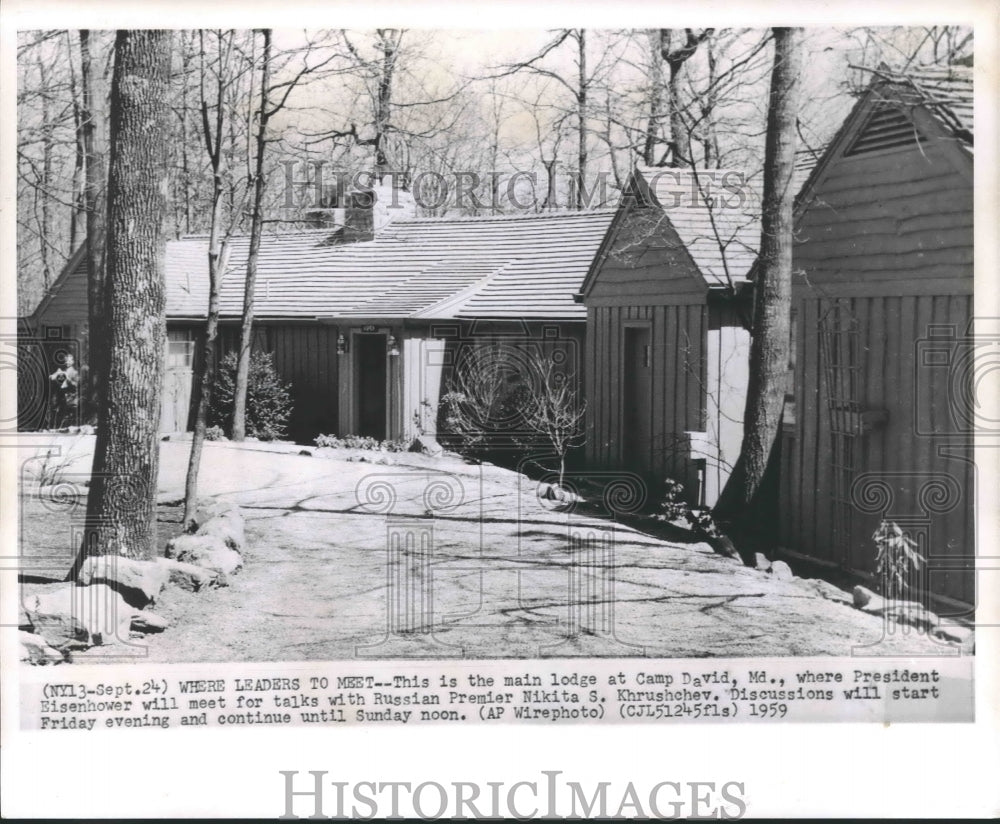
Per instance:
{"type": "Point", "coordinates": [269, 404]}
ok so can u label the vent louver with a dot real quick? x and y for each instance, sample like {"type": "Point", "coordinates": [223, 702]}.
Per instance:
{"type": "Point", "coordinates": [887, 128]}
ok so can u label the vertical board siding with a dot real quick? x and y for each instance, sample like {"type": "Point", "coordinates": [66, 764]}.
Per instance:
{"type": "Point", "coordinates": [677, 403]}
{"type": "Point", "coordinates": [305, 358]}
{"type": "Point", "coordinates": [918, 443]}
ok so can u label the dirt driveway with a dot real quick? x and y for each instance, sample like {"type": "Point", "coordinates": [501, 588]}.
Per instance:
{"type": "Point", "coordinates": [421, 557]}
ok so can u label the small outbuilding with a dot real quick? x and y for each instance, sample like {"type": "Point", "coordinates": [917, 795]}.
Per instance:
{"type": "Point", "coordinates": [882, 402]}
{"type": "Point", "coordinates": [667, 347]}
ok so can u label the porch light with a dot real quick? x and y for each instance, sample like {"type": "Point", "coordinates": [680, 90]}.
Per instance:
{"type": "Point", "coordinates": [392, 348]}
{"type": "Point", "coordinates": [341, 344]}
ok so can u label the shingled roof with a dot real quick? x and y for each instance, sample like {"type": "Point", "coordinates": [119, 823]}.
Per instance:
{"type": "Point", "coordinates": [716, 214]}
{"type": "Point", "coordinates": [945, 92]}
{"type": "Point", "coordinates": [516, 266]}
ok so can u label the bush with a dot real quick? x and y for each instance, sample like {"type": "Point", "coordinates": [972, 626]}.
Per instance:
{"type": "Point", "coordinates": [361, 442]}
{"type": "Point", "coordinates": [215, 433]}
{"type": "Point", "coordinates": [896, 561]}
{"type": "Point", "coordinates": [673, 507]}
{"type": "Point", "coordinates": [268, 401]}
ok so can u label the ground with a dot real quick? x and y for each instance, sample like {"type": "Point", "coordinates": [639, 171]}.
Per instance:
{"type": "Point", "coordinates": [346, 558]}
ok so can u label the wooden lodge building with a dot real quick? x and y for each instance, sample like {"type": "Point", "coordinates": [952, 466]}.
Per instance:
{"type": "Point", "coordinates": [882, 308]}
{"type": "Point", "coordinates": [365, 330]}
{"type": "Point", "coordinates": [362, 331]}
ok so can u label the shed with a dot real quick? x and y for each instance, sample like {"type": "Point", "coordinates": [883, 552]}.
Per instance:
{"type": "Point", "coordinates": [879, 428]}
{"type": "Point", "coordinates": [667, 348]}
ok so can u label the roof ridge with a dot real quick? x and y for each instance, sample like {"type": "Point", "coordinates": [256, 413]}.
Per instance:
{"type": "Point", "coordinates": [558, 213]}
{"type": "Point", "coordinates": [241, 235]}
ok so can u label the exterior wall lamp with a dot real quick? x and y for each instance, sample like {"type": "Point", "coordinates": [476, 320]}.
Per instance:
{"type": "Point", "coordinates": [391, 348]}
{"type": "Point", "coordinates": [341, 344]}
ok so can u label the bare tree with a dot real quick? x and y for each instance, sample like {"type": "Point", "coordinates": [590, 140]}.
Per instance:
{"type": "Point", "coordinates": [395, 105]}
{"type": "Point", "coordinates": [554, 409]}
{"type": "Point", "coordinates": [121, 506]}
{"type": "Point", "coordinates": [773, 286]}
{"type": "Point", "coordinates": [93, 203]}
{"type": "Point", "coordinates": [220, 68]}
{"type": "Point", "coordinates": [273, 98]}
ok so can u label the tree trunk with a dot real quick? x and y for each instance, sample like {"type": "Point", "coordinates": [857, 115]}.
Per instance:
{"type": "Point", "coordinates": [93, 197]}
{"type": "Point", "coordinates": [680, 140]}
{"type": "Point", "coordinates": [389, 45]}
{"type": "Point", "coordinates": [773, 288]}
{"type": "Point", "coordinates": [256, 227]}
{"type": "Point", "coordinates": [654, 126]}
{"type": "Point", "coordinates": [205, 369]}
{"type": "Point", "coordinates": [581, 115]}
{"type": "Point", "coordinates": [121, 507]}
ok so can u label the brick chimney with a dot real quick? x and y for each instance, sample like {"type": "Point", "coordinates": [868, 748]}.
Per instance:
{"type": "Point", "coordinates": [350, 213]}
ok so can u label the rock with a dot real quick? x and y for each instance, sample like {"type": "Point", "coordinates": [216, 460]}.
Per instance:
{"type": "Point", "coordinates": [23, 621]}
{"type": "Point", "coordinates": [138, 582]}
{"type": "Point", "coordinates": [190, 576]}
{"type": "Point", "coordinates": [427, 445]}
{"type": "Point", "coordinates": [209, 508]}
{"type": "Point", "coordinates": [954, 633]}
{"type": "Point", "coordinates": [913, 614]}
{"type": "Point", "coordinates": [225, 522]}
{"type": "Point", "coordinates": [221, 519]}
{"type": "Point", "coordinates": [825, 590]}
{"type": "Point", "coordinates": [207, 551]}
{"type": "Point", "coordinates": [864, 596]}
{"type": "Point", "coordinates": [149, 622]}
{"type": "Point", "coordinates": [781, 571]}
{"type": "Point", "coordinates": [554, 492]}
{"type": "Point", "coordinates": [305, 453]}
{"type": "Point", "coordinates": [760, 562]}
{"type": "Point", "coordinates": [34, 650]}
{"type": "Point", "coordinates": [723, 545]}
{"type": "Point", "coordinates": [70, 616]}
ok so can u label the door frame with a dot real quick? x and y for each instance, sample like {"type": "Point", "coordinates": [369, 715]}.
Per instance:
{"type": "Point", "coordinates": [626, 326]}
{"type": "Point", "coordinates": [349, 397]}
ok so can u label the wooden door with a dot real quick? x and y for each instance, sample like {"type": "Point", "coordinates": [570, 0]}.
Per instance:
{"type": "Point", "coordinates": [637, 372]}
{"type": "Point", "coordinates": [370, 385]}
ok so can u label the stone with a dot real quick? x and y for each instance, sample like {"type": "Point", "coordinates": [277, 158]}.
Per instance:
{"type": "Point", "coordinates": [824, 589]}
{"type": "Point", "coordinates": [913, 614]}
{"type": "Point", "coordinates": [305, 453]}
{"type": "Point", "coordinates": [75, 617]}
{"type": "Point", "coordinates": [427, 445]}
{"type": "Point", "coordinates": [34, 650]}
{"type": "Point", "coordinates": [208, 508]}
{"type": "Point", "coordinates": [781, 571]}
{"type": "Point", "coordinates": [23, 621]}
{"type": "Point", "coordinates": [138, 582]}
{"type": "Point", "coordinates": [760, 562]}
{"type": "Point", "coordinates": [190, 576]}
{"type": "Point", "coordinates": [864, 596]}
{"type": "Point", "coordinates": [147, 622]}
{"type": "Point", "coordinates": [554, 492]}
{"type": "Point", "coordinates": [207, 551]}
{"type": "Point", "coordinates": [227, 524]}
{"type": "Point", "coordinates": [954, 633]}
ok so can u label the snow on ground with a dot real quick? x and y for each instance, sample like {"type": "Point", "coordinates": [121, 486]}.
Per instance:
{"type": "Point", "coordinates": [418, 556]}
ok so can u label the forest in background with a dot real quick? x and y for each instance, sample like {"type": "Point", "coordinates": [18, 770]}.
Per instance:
{"type": "Point", "coordinates": [556, 110]}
